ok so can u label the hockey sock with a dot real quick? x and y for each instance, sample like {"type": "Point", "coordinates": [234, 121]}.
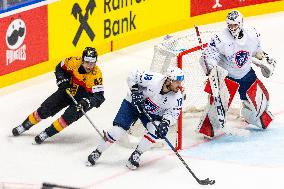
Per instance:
{"type": "Point", "coordinates": [31, 120]}
{"type": "Point", "coordinates": [56, 127]}
{"type": "Point", "coordinates": [114, 134]}
{"type": "Point", "coordinates": [146, 142]}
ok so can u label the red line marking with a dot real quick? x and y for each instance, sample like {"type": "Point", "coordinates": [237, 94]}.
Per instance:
{"type": "Point", "coordinates": [154, 160]}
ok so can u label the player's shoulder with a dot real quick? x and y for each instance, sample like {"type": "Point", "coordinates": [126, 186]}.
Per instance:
{"type": "Point", "coordinates": [178, 95]}
{"type": "Point", "coordinates": [72, 62]}
{"type": "Point", "coordinates": [251, 31]}
{"type": "Point", "coordinates": [224, 36]}
{"type": "Point", "coordinates": [219, 38]}
{"type": "Point", "coordinates": [175, 98]}
{"type": "Point", "coordinates": [97, 71]}
{"type": "Point", "coordinates": [150, 76]}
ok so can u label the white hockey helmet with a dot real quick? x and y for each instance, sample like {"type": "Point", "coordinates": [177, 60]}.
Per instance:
{"type": "Point", "coordinates": [235, 22]}
{"type": "Point", "coordinates": [175, 73]}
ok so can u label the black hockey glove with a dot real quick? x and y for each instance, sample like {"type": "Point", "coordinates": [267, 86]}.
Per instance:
{"type": "Point", "coordinates": [84, 104]}
{"type": "Point", "coordinates": [63, 84]}
{"type": "Point", "coordinates": [163, 128]}
{"type": "Point", "coordinates": [97, 99]}
{"type": "Point", "coordinates": [62, 78]}
{"type": "Point", "coordinates": [137, 98]}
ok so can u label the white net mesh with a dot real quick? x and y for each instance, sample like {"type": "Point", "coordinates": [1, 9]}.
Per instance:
{"type": "Point", "coordinates": [183, 49]}
{"type": "Point", "coordinates": [186, 46]}
{"type": "Point", "coordinates": [167, 52]}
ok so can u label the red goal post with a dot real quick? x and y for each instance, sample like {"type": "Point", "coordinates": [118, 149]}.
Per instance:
{"type": "Point", "coordinates": [180, 65]}
{"type": "Point", "coordinates": [183, 50]}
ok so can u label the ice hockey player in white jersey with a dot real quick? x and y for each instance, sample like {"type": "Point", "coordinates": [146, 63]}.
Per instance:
{"type": "Point", "coordinates": [160, 96]}
{"type": "Point", "coordinates": [228, 59]}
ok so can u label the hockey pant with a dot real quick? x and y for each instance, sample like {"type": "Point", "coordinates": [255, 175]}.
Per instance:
{"type": "Point", "coordinates": [125, 117]}
{"type": "Point", "coordinates": [52, 105]}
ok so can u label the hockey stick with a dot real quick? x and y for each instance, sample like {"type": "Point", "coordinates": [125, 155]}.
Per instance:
{"type": "Point", "coordinates": [76, 103]}
{"type": "Point", "coordinates": [201, 182]}
{"type": "Point", "coordinates": [214, 84]}
{"type": "Point", "coordinates": [50, 186]}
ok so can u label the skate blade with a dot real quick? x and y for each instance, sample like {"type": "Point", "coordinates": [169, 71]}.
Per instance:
{"type": "Point", "coordinates": [130, 166]}
{"type": "Point", "coordinates": [88, 164]}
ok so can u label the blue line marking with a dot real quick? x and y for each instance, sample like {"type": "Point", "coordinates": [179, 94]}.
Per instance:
{"type": "Point", "coordinates": [20, 5]}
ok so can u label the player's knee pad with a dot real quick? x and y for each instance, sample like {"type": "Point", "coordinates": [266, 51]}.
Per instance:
{"type": "Point", "coordinates": [255, 109]}
{"type": "Point", "coordinates": [44, 112]}
{"type": "Point", "coordinates": [71, 115]}
{"type": "Point", "coordinates": [209, 122]}
{"type": "Point", "coordinates": [114, 134]}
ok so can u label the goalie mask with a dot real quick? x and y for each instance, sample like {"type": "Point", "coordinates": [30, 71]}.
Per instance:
{"type": "Point", "coordinates": [234, 22]}
{"type": "Point", "coordinates": [90, 55]}
{"type": "Point", "coordinates": [175, 73]}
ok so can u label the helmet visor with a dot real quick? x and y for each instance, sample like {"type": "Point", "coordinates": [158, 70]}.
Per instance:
{"type": "Point", "coordinates": [90, 59]}
{"type": "Point", "coordinates": [180, 78]}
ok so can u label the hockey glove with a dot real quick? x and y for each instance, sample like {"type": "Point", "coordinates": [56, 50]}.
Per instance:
{"type": "Point", "coordinates": [83, 104]}
{"type": "Point", "coordinates": [137, 98]}
{"type": "Point", "coordinates": [63, 84]}
{"type": "Point", "coordinates": [163, 128]}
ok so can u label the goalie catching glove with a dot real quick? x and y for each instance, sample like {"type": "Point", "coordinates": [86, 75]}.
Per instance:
{"type": "Point", "coordinates": [137, 98]}
{"type": "Point", "coordinates": [266, 63]}
{"type": "Point", "coordinates": [163, 128]}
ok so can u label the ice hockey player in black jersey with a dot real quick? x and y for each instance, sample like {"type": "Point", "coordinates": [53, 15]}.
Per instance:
{"type": "Point", "coordinates": [83, 78]}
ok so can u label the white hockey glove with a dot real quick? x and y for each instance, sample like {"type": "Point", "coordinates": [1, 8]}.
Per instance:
{"type": "Point", "coordinates": [266, 63]}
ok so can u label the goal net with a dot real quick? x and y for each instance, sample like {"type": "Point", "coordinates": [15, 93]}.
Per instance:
{"type": "Point", "coordinates": [184, 51]}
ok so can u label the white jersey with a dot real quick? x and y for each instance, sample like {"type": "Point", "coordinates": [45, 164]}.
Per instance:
{"type": "Point", "coordinates": [150, 83]}
{"type": "Point", "coordinates": [234, 55]}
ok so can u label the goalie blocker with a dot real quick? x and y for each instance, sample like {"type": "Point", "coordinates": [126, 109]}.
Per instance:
{"type": "Point", "coordinates": [254, 110]}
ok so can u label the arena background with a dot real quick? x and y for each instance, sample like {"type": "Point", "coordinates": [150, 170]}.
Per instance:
{"type": "Point", "coordinates": [59, 29]}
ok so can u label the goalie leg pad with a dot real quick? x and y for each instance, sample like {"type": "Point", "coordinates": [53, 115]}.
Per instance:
{"type": "Point", "coordinates": [255, 109]}
{"type": "Point", "coordinates": [206, 128]}
{"type": "Point", "coordinates": [266, 118]}
{"type": "Point", "coordinates": [209, 121]}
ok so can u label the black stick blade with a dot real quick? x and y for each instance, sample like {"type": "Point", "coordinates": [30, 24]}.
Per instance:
{"type": "Point", "coordinates": [206, 182]}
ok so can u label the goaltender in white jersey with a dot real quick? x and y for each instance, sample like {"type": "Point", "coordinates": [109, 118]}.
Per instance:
{"type": "Point", "coordinates": [229, 56]}
{"type": "Point", "coordinates": [160, 96]}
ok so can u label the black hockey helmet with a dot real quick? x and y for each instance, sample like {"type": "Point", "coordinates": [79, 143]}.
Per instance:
{"type": "Point", "coordinates": [90, 55]}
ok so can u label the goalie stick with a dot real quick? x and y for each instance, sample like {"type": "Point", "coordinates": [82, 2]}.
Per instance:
{"type": "Point", "coordinates": [214, 84]}
{"type": "Point", "coordinates": [76, 103]}
{"type": "Point", "coordinates": [201, 182]}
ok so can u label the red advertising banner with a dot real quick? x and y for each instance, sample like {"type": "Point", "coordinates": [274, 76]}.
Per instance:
{"type": "Point", "coordinates": [199, 7]}
{"type": "Point", "coordinates": [23, 40]}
